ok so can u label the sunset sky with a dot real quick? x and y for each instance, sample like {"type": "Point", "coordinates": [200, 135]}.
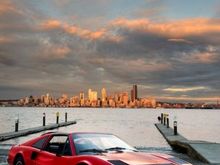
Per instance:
{"type": "Point", "coordinates": [169, 48]}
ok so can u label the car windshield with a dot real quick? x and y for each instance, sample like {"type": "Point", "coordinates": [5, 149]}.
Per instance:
{"type": "Point", "coordinates": [99, 143]}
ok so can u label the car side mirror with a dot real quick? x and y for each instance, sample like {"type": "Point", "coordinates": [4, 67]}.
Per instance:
{"type": "Point", "coordinates": [34, 155]}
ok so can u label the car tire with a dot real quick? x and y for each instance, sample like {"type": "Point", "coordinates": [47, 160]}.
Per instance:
{"type": "Point", "coordinates": [19, 161]}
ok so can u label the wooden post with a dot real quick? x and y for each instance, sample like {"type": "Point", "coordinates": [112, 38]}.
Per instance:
{"type": "Point", "coordinates": [16, 124]}
{"type": "Point", "coordinates": [168, 122]}
{"type": "Point", "coordinates": [66, 117]}
{"type": "Point", "coordinates": [175, 127]}
{"type": "Point", "coordinates": [44, 119]}
{"type": "Point", "coordinates": [57, 115]}
{"type": "Point", "coordinates": [164, 119]}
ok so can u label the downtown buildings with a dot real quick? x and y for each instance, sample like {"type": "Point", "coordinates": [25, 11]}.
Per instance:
{"type": "Point", "coordinates": [116, 100]}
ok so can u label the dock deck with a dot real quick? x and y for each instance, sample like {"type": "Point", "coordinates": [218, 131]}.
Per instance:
{"type": "Point", "coordinates": [4, 148]}
{"type": "Point", "coordinates": [204, 151]}
{"type": "Point", "coordinates": [24, 132]}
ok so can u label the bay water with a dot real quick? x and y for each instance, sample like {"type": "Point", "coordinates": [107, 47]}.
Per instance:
{"type": "Point", "coordinates": [136, 126]}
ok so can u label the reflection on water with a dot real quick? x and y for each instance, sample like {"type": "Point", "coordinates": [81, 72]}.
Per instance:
{"type": "Point", "coordinates": [134, 126]}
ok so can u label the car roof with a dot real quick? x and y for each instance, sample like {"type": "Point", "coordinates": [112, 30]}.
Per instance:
{"type": "Point", "coordinates": [55, 133]}
{"type": "Point", "coordinates": [64, 133]}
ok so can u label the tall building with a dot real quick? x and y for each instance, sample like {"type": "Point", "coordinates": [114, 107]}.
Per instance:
{"type": "Point", "coordinates": [134, 93]}
{"type": "Point", "coordinates": [125, 98]}
{"type": "Point", "coordinates": [81, 96]}
{"type": "Point", "coordinates": [89, 94]}
{"type": "Point", "coordinates": [92, 95]}
{"type": "Point", "coordinates": [104, 94]}
{"type": "Point", "coordinates": [47, 99]}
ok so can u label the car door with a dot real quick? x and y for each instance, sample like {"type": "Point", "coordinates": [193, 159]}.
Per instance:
{"type": "Point", "coordinates": [57, 151]}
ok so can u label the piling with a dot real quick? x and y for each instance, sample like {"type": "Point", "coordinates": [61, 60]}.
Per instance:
{"type": "Point", "coordinates": [168, 122]}
{"type": "Point", "coordinates": [65, 116]}
{"type": "Point", "coordinates": [57, 115]}
{"type": "Point", "coordinates": [16, 124]}
{"type": "Point", "coordinates": [175, 127]}
{"type": "Point", "coordinates": [44, 119]}
{"type": "Point", "coordinates": [25, 132]}
{"type": "Point", "coordinates": [207, 152]}
{"type": "Point", "coordinates": [164, 119]}
{"type": "Point", "coordinates": [161, 118]}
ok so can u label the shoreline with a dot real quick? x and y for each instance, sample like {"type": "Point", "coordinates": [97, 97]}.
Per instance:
{"type": "Point", "coordinates": [156, 108]}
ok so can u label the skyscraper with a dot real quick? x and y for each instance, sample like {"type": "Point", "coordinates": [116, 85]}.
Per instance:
{"type": "Point", "coordinates": [92, 95]}
{"type": "Point", "coordinates": [81, 96]}
{"type": "Point", "coordinates": [104, 94]}
{"type": "Point", "coordinates": [134, 93]}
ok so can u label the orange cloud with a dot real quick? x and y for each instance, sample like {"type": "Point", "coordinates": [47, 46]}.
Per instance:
{"type": "Point", "coordinates": [74, 30]}
{"type": "Point", "coordinates": [85, 33]}
{"type": "Point", "coordinates": [5, 39]}
{"type": "Point", "coordinates": [175, 30]}
{"type": "Point", "coordinates": [199, 57]}
{"type": "Point", "coordinates": [7, 7]}
{"type": "Point", "coordinates": [56, 51]}
{"type": "Point", "coordinates": [171, 29]}
{"type": "Point", "coordinates": [61, 51]}
{"type": "Point", "coordinates": [51, 24]}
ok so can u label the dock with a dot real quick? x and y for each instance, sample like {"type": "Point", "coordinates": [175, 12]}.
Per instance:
{"type": "Point", "coordinates": [4, 148]}
{"type": "Point", "coordinates": [204, 151]}
{"type": "Point", "coordinates": [24, 132]}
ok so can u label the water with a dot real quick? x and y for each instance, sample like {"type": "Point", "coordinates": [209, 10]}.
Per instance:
{"type": "Point", "coordinates": [136, 126]}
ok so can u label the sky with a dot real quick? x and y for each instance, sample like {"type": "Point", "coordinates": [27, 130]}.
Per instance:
{"type": "Point", "coordinates": [169, 48]}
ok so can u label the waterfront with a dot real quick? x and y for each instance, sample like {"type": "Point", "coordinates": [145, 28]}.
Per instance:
{"type": "Point", "coordinates": [134, 126]}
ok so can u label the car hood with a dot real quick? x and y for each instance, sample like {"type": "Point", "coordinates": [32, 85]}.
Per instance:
{"type": "Point", "coordinates": [138, 158]}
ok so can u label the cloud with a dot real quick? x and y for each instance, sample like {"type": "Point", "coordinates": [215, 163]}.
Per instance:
{"type": "Point", "coordinates": [181, 40]}
{"type": "Point", "coordinates": [180, 28]}
{"type": "Point", "coordinates": [184, 89]}
{"type": "Point", "coordinates": [199, 57]}
{"type": "Point", "coordinates": [73, 30]}
{"type": "Point", "coordinates": [7, 7]}
{"type": "Point", "coordinates": [51, 24]}
{"type": "Point", "coordinates": [165, 58]}
{"type": "Point", "coordinates": [131, 65]}
{"type": "Point", "coordinates": [189, 99]}
{"type": "Point", "coordinates": [56, 51]}
{"type": "Point", "coordinates": [5, 40]}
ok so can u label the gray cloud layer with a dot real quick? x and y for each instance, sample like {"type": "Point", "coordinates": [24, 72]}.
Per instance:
{"type": "Point", "coordinates": [40, 53]}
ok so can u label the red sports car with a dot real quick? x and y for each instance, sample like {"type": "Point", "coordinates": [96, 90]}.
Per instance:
{"type": "Point", "coordinates": [84, 149]}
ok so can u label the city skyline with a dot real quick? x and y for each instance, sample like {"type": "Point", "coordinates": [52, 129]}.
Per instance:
{"type": "Point", "coordinates": [104, 100]}
{"type": "Point", "coordinates": [169, 48]}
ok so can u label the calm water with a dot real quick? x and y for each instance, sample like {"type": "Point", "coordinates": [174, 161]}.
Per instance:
{"type": "Point", "coordinates": [136, 126]}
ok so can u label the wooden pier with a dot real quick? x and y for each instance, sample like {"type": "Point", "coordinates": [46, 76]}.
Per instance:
{"type": "Point", "coordinates": [206, 152]}
{"type": "Point", "coordinates": [24, 132]}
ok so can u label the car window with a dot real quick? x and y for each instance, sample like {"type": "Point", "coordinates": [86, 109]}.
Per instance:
{"type": "Point", "coordinates": [59, 144]}
{"type": "Point", "coordinates": [39, 144]}
{"type": "Point", "coordinates": [104, 142]}
{"type": "Point", "coordinates": [67, 149]}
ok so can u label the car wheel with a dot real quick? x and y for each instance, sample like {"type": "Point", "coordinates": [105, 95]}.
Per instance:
{"type": "Point", "coordinates": [19, 161]}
